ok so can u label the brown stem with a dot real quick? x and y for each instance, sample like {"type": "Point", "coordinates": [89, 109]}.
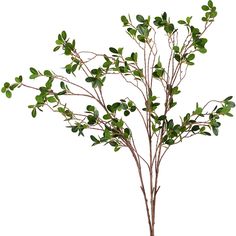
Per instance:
{"type": "Point", "coordinates": [142, 183]}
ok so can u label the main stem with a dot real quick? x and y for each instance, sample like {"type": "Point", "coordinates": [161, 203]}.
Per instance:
{"type": "Point", "coordinates": [153, 179]}
{"type": "Point", "coordinates": [153, 184]}
{"type": "Point", "coordinates": [152, 190]}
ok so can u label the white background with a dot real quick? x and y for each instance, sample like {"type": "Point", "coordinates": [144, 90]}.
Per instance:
{"type": "Point", "coordinates": [52, 183]}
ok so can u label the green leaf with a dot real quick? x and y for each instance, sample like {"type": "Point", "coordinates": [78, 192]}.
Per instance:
{"type": "Point", "coordinates": [187, 118]}
{"type": "Point", "coordinates": [130, 103]}
{"type": "Point", "coordinates": [107, 64]}
{"type": "Point", "coordinates": [143, 30]}
{"type": "Point", "coordinates": [39, 98]}
{"type": "Point", "coordinates": [120, 123]}
{"type": "Point", "coordinates": [177, 57]}
{"type": "Point", "coordinates": [141, 38]}
{"type": "Point", "coordinates": [201, 42]}
{"type": "Point", "coordinates": [56, 48]}
{"type": "Point", "coordinates": [109, 107]}
{"type": "Point", "coordinates": [107, 134]}
{"type": "Point", "coordinates": [195, 128]}
{"type": "Point", "coordinates": [19, 79]}
{"type": "Point", "coordinates": [64, 35]}
{"type": "Point", "coordinates": [90, 79]}
{"type": "Point", "coordinates": [68, 68]}
{"type": "Point", "coordinates": [175, 90]}
{"type": "Point", "coordinates": [33, 71]}
{"type": "Point", "coordinates": [191, 57]}
{"type": "Point", "coordinates": [172, 103]}
{"type": "Point", "coordinates": [188, 19]}
{"type": "Point", "coordinates": [229, 114]}
{"type": "Point", "coordinates": [59, 42]}
{"type": "Point", "coordinates": [134, 56]}
{"type": "Point", "coordinates": [123, 106]}
{"type": "Point", "coordinates": [198, 111]}
{"type": "Point", "coordinates": [152, 98]}
{"type": "Point", "coordinates": [189, 63]}
{"type": "Point", "coordinates": [75, 129]}
{"type": "Point", "coordinates": [43, 90]}
{"type": "Point", "coordinates": [94, 139]}
{"type": "Point", "coordinates": [162, 117]}
{"type": "Point", "coordinates": [94, 71]}
{"type": "Point", "coordinates": [170, 124]}
{"type": "Point", "coordinates": [182, 22]}
{"type": "Point", "coordinates": [96, 113]}
{"type": "Point", "coordinates": [159, 21]}
{"type": "Point", "coordinates": [164, 16]}
{"type": "Point", "coordinates": [33, 76]}
{"type": "Point", "coordinates": [49, 83]}
{"type": "Point", "coordinates": [124, 20]}
{"type": "Point", "coordinates": [13, 86]}
{"type": "Point", "coordinates": [3, 90]}
{"type": "Point", "coordinates": [140, 18]}
{"type": "Point", "coordinates": [91, 120]}
{"type": "Point", "coordinates": [34, 113]}
{"type": "Point", "coordinates": [202, 50]}
{"type": "Point", "coordinates": [205, 8]}
{"type": "Point", "coordinates": [62, 85]}
{"type": "Point", "coordinates": [202, 129]}
{"type": "Point", "coordinates": [73, 44]}
{"type": "Point", "coordinates": [47, 73]}
{"type": "Point", "coordinates": [213, 14]}
{"type": "Point", "coordinates": [115, 106]}
{"type": "Point", "coordinates": [61, 109]}
{"type": "Point", "coordinates": [169, 28]}
{"type": "Point", "coordinates": [170, 142]}
{"type": "Point", "coordinates": [6, 85]}
{"type": "Point", "coordinates": [158, 73]}
{"type": "Point", "coordinates": [228, 98]}
{"type": "Point", "coordinates": [90, 108]}
{"type": "Point", "coordinates": [230, 104]}
{"type": "Point", "coordinates": [8, 94]}
{"type": "Point", "coordinates": [220, 111]}
{"type": "Point", "coordinates": [127, 133]}
{"type": "Point", "coordinates": [138, 73]}
{"type": "Point", "coordinates": [113, 143]}
{"type": "Point", "coordinates": [223, 110]}
{"type": "Point", "coordinates": [52, 99]}
{"type": "Point", "coordinates": [215, 131]}
{"type": "Point", "coordinates": [132, 32]}
{"type": "Point", "coordinates": [67, 51]}
{"type": "Point", "coordinates": [107, 117]}
{"type": "Point", "coordinates": [177, 129]}
{"type": "Point", "coordinates": [133, 108]}
{"type": "Point", "coordinates": [176, 49]}
{"type": "Point", "coordinates": [126, 113]}
{"type": "Point", "coordinates": [113, 50]}
{"type": "Point", "coordinates": [206, 133]}
{"type": "Point", "coordinates": [195, 33]}
{"type": "Point", "coordinates": [117, 148]}
{"type": "Point", "coordinates": [120, 50]}
{"type": "Point", "coordinates": [210, 4]}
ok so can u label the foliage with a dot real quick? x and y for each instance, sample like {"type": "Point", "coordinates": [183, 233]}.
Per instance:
{"type": "Point", "coordinates": [142, 71]}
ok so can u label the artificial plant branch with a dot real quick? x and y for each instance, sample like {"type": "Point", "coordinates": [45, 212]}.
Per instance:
{"type": "Point", "coordinates": [143, 71]}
